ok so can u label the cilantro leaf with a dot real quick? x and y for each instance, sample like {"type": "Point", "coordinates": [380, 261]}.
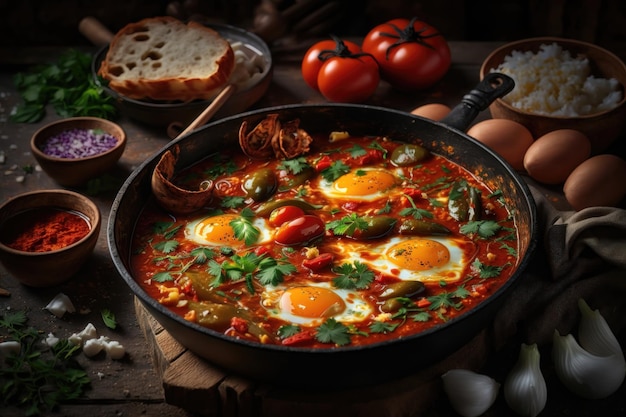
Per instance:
{"type": "Point", "coordinates": [334, 171]}
{"type": "Point", "coordinates": [383, 327]}
{"type": "Point", "coordinates": [332, 331]}
{"type": "Point", "coordinates": [357, 151]}
{"type": "Point", "coordinates": [271, 272]}
{"type": "Point", "coordinates": [243, 227]}
{"type": "Point", "coordinates": [288, 330]}
{"type": "Point", "coordinates": [486, 271]}
{"type": "Point", "coordinates": [203, 254]}
{"type": "Point", "coordinates": [356, 276]}
{"type": "Point", "coordinates": [162, 277]}
{"type": "Point", "coordinates": [232, 202]}
{"type": "Point", "coordinates": [482, 228]}
{"type": "Point", "coordinates": [295, 166]}
{"type": "Point", "coordinates": [347, 225]}
{"type": "Point", "coordinates": [166, 246]}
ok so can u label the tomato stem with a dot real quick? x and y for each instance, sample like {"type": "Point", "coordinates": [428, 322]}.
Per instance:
{"type": "Point", "coordinates": [407, 35]}
{"type": "Point", "coordinates": [341, 50]}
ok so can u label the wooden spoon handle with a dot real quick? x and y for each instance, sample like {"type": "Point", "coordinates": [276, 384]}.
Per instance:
{"type": "Point", "coordinates": [95, 31]}
{"type": "Point", "coordinates": [210, 110]}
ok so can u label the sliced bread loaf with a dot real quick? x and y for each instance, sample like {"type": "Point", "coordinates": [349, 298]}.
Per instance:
{"type": "Point", "coordinates": [162, 58]}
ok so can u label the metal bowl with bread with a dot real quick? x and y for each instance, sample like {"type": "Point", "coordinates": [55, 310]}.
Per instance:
{"type": "Point", "coordinates": [249, 79]}
{"type": "Point", "coordinates": [545, 67]}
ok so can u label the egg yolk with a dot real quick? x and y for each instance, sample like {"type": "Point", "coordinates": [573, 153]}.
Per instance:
{"type": "Point", "coordinates": [419, 254]}
{"type": "Point", "coordinates": [363, 183]}
{"type": "Point", "coordinates": [217, 230]}
{"type": "Point", "coordinates": [311, 302]}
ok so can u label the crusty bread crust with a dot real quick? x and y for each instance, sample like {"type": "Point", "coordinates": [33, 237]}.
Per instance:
{"type": "Point", "coordinates": [162, 58]}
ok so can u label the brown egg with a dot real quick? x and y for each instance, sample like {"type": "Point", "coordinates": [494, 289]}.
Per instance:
{"type": "Point", "coordinates": [505, 137]}
{"type": "Point", "coordinates": [553, 156]}
{"type": "Point", "coordinates": [433, 111]}
{"type": "Point", "coordinates": [598, 181]}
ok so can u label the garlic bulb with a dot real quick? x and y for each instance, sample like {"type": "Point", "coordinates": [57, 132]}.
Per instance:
{"type": "Point", "coordinates": [585, 374]}
{"type": "Point", "coordinates": [470, 393]}
{"type": "Point", "coordinates": [594, 333]}
{"type": "Point", "coordinates": [525, 388]}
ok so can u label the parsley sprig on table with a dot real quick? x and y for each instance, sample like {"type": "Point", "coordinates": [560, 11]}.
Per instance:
{"type": "Point", "coordinates": [67, 85]}
{"type": "Point", "coordinates": [35, 379]}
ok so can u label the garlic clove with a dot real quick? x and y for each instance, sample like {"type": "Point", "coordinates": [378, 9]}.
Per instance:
{"type": "Point", "coordinates": [470, 393]}
{"type": "Point", "coordinates": [525, 388]}
{"type": "Point", "coordinates": [594, 333]}
{"type": "Point", "coordinates": [585, 374]}
{"type": "Point", "coordinates": [60, 305]}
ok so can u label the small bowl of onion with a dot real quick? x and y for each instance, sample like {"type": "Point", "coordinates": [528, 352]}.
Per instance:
{"type": "Point", "coordinates": [74, 150]}
{"type": "Point", "coordinates": [561, 84]}
{"type": "Point", "coordinates": [47, 236]}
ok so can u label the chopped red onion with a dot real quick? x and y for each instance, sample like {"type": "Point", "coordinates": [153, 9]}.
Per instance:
{"type": "Point", "coordinates": [78, 143]}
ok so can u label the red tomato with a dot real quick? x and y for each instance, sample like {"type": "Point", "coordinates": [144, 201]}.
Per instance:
{"type": "Point", "coordinates": [284, 214]}
{"type": "Point", "coordinates": [300, 231]}
{"type": "Point", "coordinates": [340, 71]}
{"type": "Point", "coordinates": [411, 54]}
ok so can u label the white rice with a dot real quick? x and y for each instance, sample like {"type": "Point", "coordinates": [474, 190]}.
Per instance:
{"type": "Point", "coordinates": [552, 82]}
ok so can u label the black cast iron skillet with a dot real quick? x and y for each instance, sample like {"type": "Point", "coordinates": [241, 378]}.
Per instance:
{"type": "Point", "coordinates": [345, 366]}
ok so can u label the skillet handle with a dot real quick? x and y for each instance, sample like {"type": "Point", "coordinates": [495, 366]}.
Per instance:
{"type": "Point", "coordinates": [492, 87]}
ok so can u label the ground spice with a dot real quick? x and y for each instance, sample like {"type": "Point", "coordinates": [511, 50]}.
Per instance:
{"type": "Point", "coordinates": [44, 229]}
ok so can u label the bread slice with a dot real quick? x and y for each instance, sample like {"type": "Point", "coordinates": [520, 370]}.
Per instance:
{"type": "Point", "coordinates": [162, 58]}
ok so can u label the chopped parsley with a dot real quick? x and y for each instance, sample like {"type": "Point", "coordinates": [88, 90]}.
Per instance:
{"type": "Point", "coordinates": [295, 166]}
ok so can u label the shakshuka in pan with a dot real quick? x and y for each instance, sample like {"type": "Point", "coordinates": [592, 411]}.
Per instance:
{"type": "Point", "coordinates": [325, 241]}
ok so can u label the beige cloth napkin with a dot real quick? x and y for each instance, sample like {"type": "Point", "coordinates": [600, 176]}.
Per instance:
{"type": "Point", "coordinates": [580, 255]}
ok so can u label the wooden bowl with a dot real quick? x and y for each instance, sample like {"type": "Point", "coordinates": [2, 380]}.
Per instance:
{"type": "Point", "coordinates": [601, 128]}
{"type": "Point", "coordinates": [45, 269]}
{"type": "Point", "coordinates": [71, 172]}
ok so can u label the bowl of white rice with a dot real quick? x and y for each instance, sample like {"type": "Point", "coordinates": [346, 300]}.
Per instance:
{"type": "Point", "coordinates": [562, 84]}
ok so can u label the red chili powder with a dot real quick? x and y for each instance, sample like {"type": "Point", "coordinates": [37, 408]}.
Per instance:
{"type": "Point", "coordinates": [44, 229]}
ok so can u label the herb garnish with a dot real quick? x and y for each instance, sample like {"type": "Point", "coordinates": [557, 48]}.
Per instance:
{"type": "Point", "coordinates": [67, 85]}
{"type": "Point", "coordinates": [334, 171]}
{"type": "Point", "coordinates": [332, 331]}
{"type": "Point", "coordinates": [295, 166]}
{"type": "Point", "coordinates": [356, 276]}
{"type": "Point", "coordinates": [36, 379]}
{"type": "Point", "coordinates": [414, 211]}
{"type": "Point", "coordinates": [267, 270]}
{"type": "Point", "coordinates": [243, 227]}
{"type": "Point", "coordinates": [347, 225]}
{"type": "Point", "coordinates": [482, 228]}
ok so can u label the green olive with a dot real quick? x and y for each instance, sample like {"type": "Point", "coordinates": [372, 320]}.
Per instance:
{"type": "Point", "coordinates": [260, 185]}
{"type": "Point", "coordinates": [402, 289]}
{"type": "Point", "coordinates": [408, 154]}
{"type": "Point", "coordinates": [415, 227]}
{"type": "Point", "coordinates": [266, 209]}
{"type": "Point", "coordinates": [377, 226]}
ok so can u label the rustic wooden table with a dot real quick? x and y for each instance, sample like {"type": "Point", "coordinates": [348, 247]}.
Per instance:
{"type": "Point", "coordinates": [133, 386]}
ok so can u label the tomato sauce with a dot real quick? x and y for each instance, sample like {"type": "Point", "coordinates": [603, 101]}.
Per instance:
{"type": "Point", "coordinates": [387, 246]}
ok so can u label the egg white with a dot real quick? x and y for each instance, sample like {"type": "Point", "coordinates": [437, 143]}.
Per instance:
{"type": "Point", "coordinates": [357, 309]}
{"type": "Point", "coordinates": [378, 258]}
{"type": "Point", "coordinates": [334, 191]}
{"type": "Point", "coordinates": [194, 231]}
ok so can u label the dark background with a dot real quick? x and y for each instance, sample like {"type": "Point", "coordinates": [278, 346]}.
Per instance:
{"type": "Point", "coordinates": [55, 22]}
